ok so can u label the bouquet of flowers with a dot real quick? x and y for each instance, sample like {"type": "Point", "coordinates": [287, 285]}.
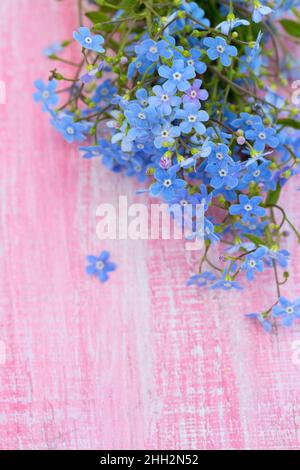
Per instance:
{"type": "Point", "coordinates": [186, 96]}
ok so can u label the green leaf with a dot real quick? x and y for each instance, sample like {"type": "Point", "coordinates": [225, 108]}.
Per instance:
{"type": "Point", "coordinates": [291, 27]}
{"type": "Point", "coordinates": [253, 238]}
{"type": "Point", "coordinates": [289, 122]}
{"type": "Point", "coordinates": [98, 19]}
{"type": "Point", "coordinates": [273, 196]}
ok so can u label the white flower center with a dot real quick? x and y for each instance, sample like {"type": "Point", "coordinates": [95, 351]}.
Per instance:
{"type": "Point", "coordinates": [248, 207]}
{"type": "Point", "coordinates": [46, 94]}
{"type": "Point", "coordinates": [190, 62]}
{"type": "Point", "coordinates": [256, 173]}
{"type": "Point", "coordinates": [262, 135]}
{"type": "Point", "coordinates": [249, 122]}
{"type": "Point", "coordinates": [167, 183]}
{"type": "Point", "coordinates": [144, 102]}
{"type": "Point", "coordinates": [220, 49]}
{"type": "Point", "coordinates": [252, 263]}
{"type": "Point", "coordinates": [164, 133]}
{"type": "Point", "coordinates": [70, 130]}
{"type": "Point", "coordinates": [219, 156]}
{"type": "Point", "coordinates": [193, 94]}
{"type": "Point", "coordinates": [192, 118]}
{"type": "Point", "coordinates": [100, 265]}
{"type": "Point", "coordinates": [177, 76]}
{"type": "Point", "coordinates": [88, 40]}
{"type": "Point", "coordinates": [153, 49]}
{"type": "Point", "coordinates": [141, 116]}
{"type": "Point", "coordinates": [227, 284]}
{"type": "Point", "coordinates": [164, 97]}
{"type": "Point", "coordinates": [223, 172]}
{"type": "Point", "coordinates": [183, 202]}
{"type": "Point", "coordinates": [290, 310]}
{"type": "Point", "coordinates": [140, 146]}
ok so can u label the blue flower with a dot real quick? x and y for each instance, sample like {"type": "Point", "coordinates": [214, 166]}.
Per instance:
{"type": "Point", "coordinates": [100, 266]}
{"type": "Point", "coordinates": [89, 41]}
{"type": "Point", "coordinates": [71, 131]}
{"type": "Point", "coordinates": [203, 151]}
{"type": "Point", "coordinates": [166, 184]}
{"type": "Point", "coordinates": [281, 257]}
{"type": "Point", "coordinates": [218, 48]}
{"type": "Point", "coordinates": [46, 94]}
{"type": "Point", "coordinates": [226, 284]}
{"type": "Point", "coordinates": [91, 151]}
{"type": "Point", "coordinates": [253, 226]}
{"type": "Point", "coordinates": [258, 173]}
{"type": "Point", "coordinates": [197, 13]}
{"type": "Point", "coordinates": [287, 310]}
{"type": "Point", "coordinates": [246, 121]}
{"type": "Point", "coordinates": [104, 92]}
{"type": "Point", "coordinates": [260, 11]}
{"type": "Point", "coordinates": [223, 174]}
{"type": "Point", "coordinates": [254, 262]}
{"type": "Point", "coordinates": [192, 118]}
{"type": "Point", "coordinates": [230, 24]}
{"type": "Point", "coordinates": [262, 136]}
{"type": "Point", "coordinates": [141, 66]}
{"type": "Point", "coordinates": [163, 100]}
{"type": "Point", "coordinates": [209, 231]}
{"type": "Point", "coordinates": [140, 117]}
{"type": "Point", "coordinates": [165, 133]}
{"type": "Point", "coordinates": [265, 323]}
{"type": "Point", "coordinates": [203, 197]}
{"type": "Point", "coordinates": [248, 207]}
{"type": "Point", "coordinates": [153, 50]}
{"type": "Point", "coordinates": [194, 61]}
{"type": "Point", "coordinates": [142, 97]}
{"type": "Point", "coordinates": [219, 153]}
{"type": "Point", "coordinates": [250, 61]}
{"type": "Point", "coordinates": [201, 279]}
{"type": "Point", "coordinates": [177, 76]}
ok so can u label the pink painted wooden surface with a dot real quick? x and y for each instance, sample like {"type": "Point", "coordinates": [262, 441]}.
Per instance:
{"type": "Point", "coordinates": [140, 362]}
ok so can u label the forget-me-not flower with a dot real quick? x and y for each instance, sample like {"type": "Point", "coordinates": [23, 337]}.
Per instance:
{"type": "Point", "coordinates": [262, 136]}
{"type": "Point", "coordinates": [100, 266]}
{"type": "Point", "coordinates": [287, 310]}
{"type": "Point", "coordinates": [191, 118]}
{"type": "Point", "coordinates": [166, 184]}
{"type": "Point", "coordinates": [260, 10]}
{"type": "Point", "coordinates": [248, 207]}
{"type": "Point", "coordinates": [163, 100]}
{"type": "Point", "coordinates": [88, 40]}
{"type": "Point", "coordinates": [153, 50]}
{"type": "Point", "coordinates": [218, 48]}
{"type": "Point", "coordinates": [177, 76]}
{"type": "Point", "coordinates": [46, 94]}
{"type": "Point", "coordinates": [254, 262]}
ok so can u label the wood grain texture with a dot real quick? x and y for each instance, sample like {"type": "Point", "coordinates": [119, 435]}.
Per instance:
{"type": "Point", "coordinates": [141, 362]}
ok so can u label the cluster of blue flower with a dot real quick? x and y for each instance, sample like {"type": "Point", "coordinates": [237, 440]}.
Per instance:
{"type": "Point", "coordinates": [189, 109]}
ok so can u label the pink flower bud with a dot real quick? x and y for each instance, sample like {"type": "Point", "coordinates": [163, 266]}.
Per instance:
{"type": "Point", "coordinates": [165, 163]}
